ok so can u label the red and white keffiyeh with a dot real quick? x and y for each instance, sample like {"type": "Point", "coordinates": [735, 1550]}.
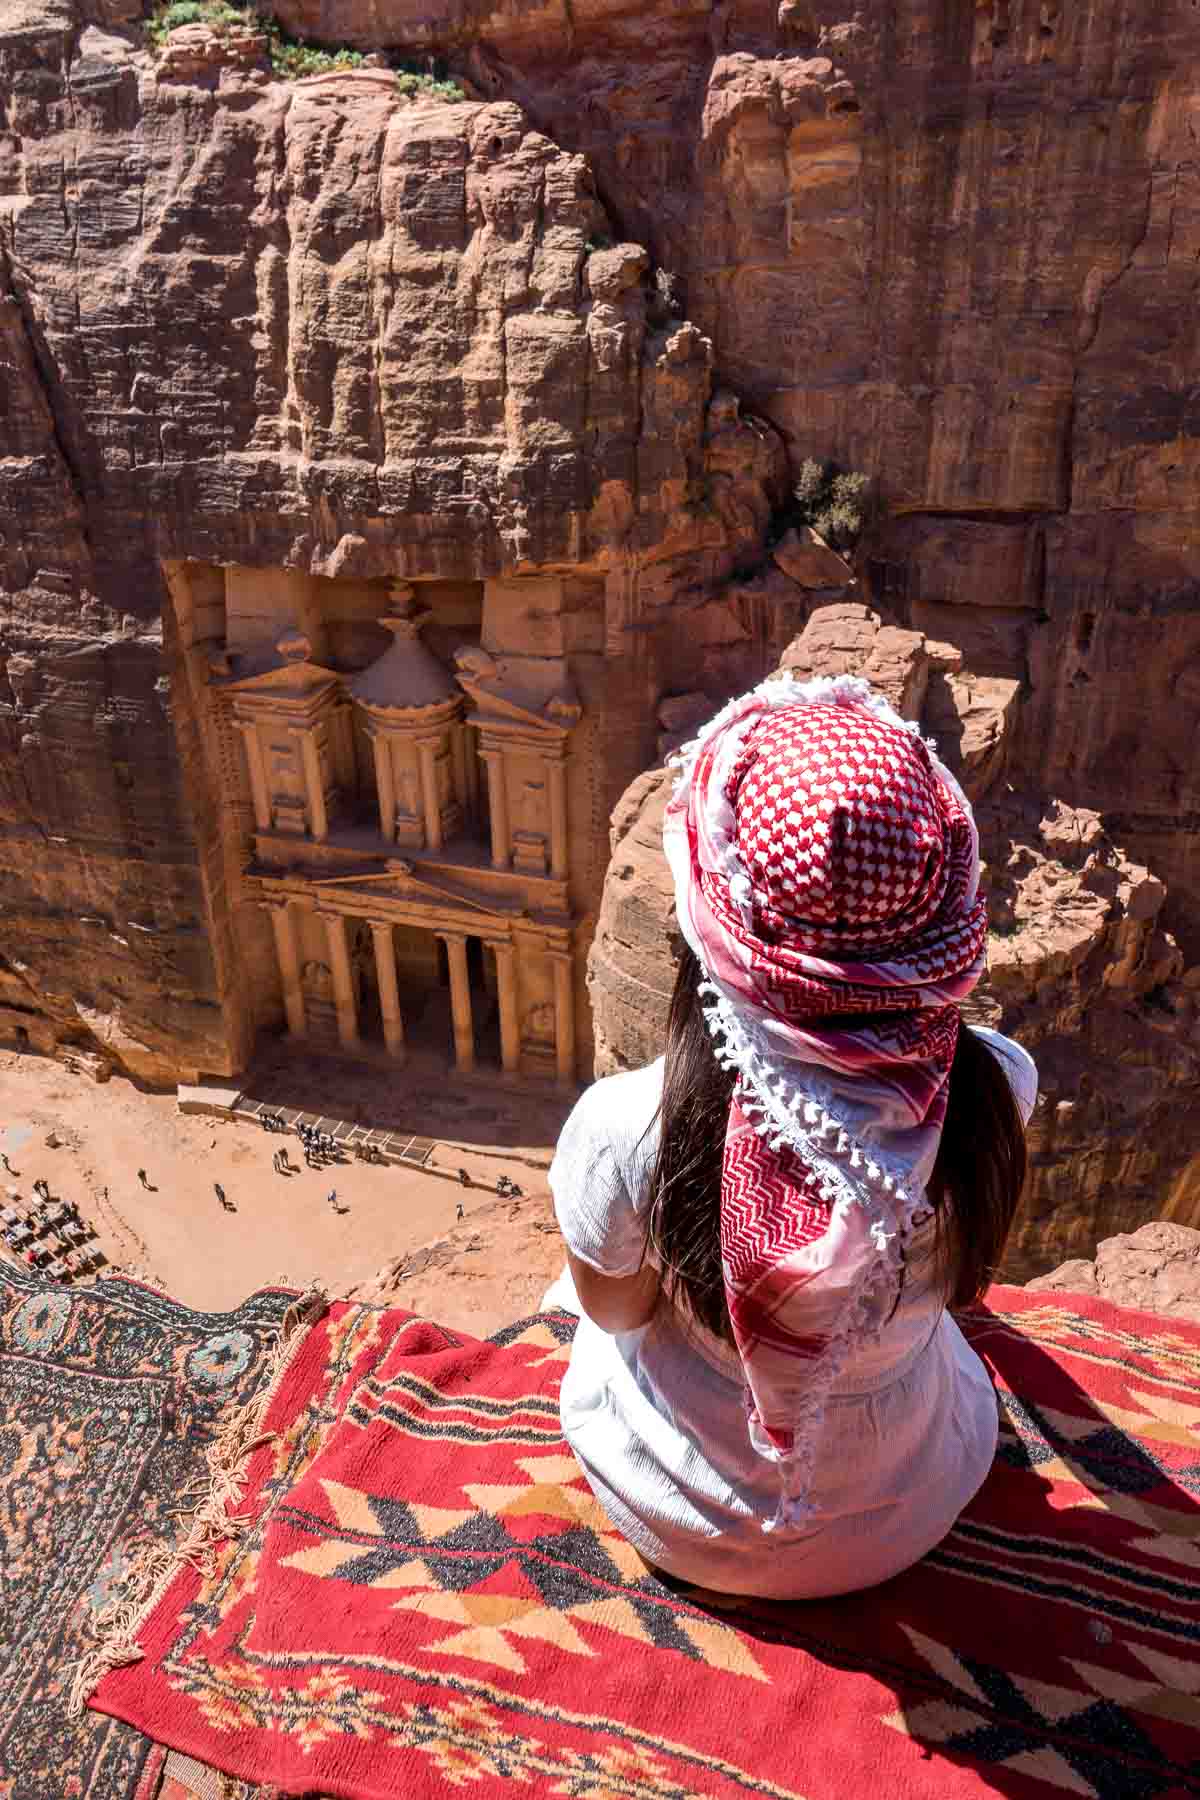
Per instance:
{"type": "Point", "coordinates": [826, 871]}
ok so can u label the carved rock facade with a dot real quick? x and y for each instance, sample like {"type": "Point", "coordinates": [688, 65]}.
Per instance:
{"type": "Point", "coordinates": [953, 248]}
{"type": "Point", "coordinates": [358, 501]}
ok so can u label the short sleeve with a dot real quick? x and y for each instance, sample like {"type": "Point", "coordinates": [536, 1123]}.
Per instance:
{"type": "Point", "coordinates": [1017, 1064]}
{"type": "Point", "coordinates": [595, 1211]}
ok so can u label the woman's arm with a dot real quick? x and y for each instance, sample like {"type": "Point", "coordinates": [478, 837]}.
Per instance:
{"type": "Point", "coordinates": [615, 1302]}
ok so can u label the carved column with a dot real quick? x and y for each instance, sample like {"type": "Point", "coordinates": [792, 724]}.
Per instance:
{"type": "Point", "coordinates": [427, 749]}
{"type": "Point", "coordinates": [343, 980]}
{"type": "Point", "coordinates": [460, 1000]}
{"type": "Point", "coordinates": [471, 771]}
{"type": "Point", "coordinates": [458, 747]}
{"type": "Point", "coordinates": [385, 782]}
{"type": "Point", "coordinates": [389, 992]}
{"type": "Point", "coordinates": [498, 807]}
{"type": "Point", "coordinates": [313, 785]}
{"type": "Point", "coordinates": [556, 781]}
{"type": "Point", "coordinates": [564, 1016]}
{"type": "Point", "coordinates": [288, 958]}
{"type": "Point", "coordinates": [506, 983]}
{"type": "Point", "coordinates": [259, 790]}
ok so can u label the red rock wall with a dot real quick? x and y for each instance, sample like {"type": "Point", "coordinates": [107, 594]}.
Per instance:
{"type": "Point", "coordinates": [306, 326]}
{"type": "Point", "coordinates": [315, 327]}
{"type": "Point", "coordinates": [1081, 968]}
{"type": "Point", "coordinates": [956, 247]}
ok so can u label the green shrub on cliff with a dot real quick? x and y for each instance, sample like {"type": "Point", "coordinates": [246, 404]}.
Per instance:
{"type": "Point", "coordinates": [218, 14]}
{"type": "Point", "coordinates": [421, 81]}
{"type": "Point", "coordinates": [831, 501]}
{"type": "Point", "coordinates": [291, 58]}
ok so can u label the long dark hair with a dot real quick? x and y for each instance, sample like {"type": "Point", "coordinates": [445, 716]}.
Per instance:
{"type": "Point", "coordinates": [973, 1191]}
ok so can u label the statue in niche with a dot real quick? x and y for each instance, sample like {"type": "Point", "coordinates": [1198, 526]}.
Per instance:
{"type": "Point", "coordinates": [317, 978]}
{"type": "Point", "coordinates": [539, 1024]}
{"type": "Point", "coordinates": [474, 661]}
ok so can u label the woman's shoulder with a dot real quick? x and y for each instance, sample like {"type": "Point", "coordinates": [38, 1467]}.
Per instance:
{"type": "Point", "coordinates": [1017, 1064]}
{"type": "Point", "coordinates": [617, 1111]}
{"type": "Point", "coordinates": [625, 1102]}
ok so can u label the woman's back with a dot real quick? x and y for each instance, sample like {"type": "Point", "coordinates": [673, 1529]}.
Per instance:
{"type": "Point", "coordinates": [827, 1124]}
{"type": "Point", "coordinates": [657, 1418]}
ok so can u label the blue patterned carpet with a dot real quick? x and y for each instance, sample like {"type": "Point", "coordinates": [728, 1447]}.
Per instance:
{"type": "Point", "coordinates": [109, 1399]}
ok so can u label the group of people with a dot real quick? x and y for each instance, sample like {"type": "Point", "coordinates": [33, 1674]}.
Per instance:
{"type": "Point", "coordinates": [506, 1187]}
{"type": "Point", "coordinates": [319, 1147]}
{"type": "Point", "coordinates": [51, 1237]}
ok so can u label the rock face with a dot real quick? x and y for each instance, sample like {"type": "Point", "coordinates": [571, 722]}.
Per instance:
{"type": "Point", "coordinates": [1156, 1267]}
{"type": "Point", "coordinates": [332, 334]}
{"type": "Point", "coordinates": [580, 330]}
{"type": "Point", "coordinates": [954, 249]}
{"type": "Point", "coordinates": [1082, 969]}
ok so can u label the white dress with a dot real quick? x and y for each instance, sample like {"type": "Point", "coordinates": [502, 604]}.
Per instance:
{"type": "Point", "coordinates": [657, 1420]}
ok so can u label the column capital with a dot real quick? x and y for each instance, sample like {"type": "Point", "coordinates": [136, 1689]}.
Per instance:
{"type": "Point", "coordinates": [451, 936]}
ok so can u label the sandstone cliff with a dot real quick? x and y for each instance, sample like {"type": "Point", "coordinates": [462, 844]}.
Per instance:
{"type": "Point", "coordinates": [1082, 970]}
{"type": "Point", "coordinates": [322, 328]}
{"type": "Point", "coordinates": [1156, 1268]}
{"type": "Point", "coordinates": [953, 247]}
{"type": "Point", "coordinates": [579, 326]}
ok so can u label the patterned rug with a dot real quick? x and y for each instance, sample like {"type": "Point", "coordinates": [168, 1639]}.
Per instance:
{"type": "Point", "coordinates": [428, 1600]}
{"type": "Point", "coordinates": [109, 1399]}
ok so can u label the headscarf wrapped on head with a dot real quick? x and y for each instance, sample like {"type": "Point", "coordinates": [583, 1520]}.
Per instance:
{"type": "Point", "coordinates": [826, 870]}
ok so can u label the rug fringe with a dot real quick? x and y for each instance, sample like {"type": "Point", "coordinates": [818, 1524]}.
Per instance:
{"type": "Point", "coordinates": [118, 1624]}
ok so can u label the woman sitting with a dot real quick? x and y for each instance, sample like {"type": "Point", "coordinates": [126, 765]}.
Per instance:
{"type": "Point", "coordinates": [766, 1226]}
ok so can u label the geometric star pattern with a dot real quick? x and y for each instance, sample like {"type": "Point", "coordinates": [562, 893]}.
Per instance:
{"type": "Point", "coordinates": [426, 1598]}
{"type": "Point", "coordinates": [1084, 1740]}
{"type": "Point", "coordinates": [411, 1549]}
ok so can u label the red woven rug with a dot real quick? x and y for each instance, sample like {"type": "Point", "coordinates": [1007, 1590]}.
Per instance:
{"type": "Point", "coordinates": [430, 1602]}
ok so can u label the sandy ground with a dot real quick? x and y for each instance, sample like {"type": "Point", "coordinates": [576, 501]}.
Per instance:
{"type": "Point", "coordinates": [177, 1234]}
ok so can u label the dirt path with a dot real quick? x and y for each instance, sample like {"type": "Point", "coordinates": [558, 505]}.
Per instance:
{"type": "Point", "coordinates": [176, 1232]}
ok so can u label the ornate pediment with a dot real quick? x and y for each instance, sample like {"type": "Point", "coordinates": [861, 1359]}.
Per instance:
{"type": "Point", "coordinates": [531, 692]}
{"type": "Point", "coordinates": [400, 878]}
{"type": "Point", "coordinates": [289, 671]}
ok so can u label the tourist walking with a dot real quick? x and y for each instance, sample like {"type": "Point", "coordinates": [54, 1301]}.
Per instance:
{"type": "Point", "coordinates": [797, 1210]}
{"type": "Point", "coordinates": [142, 1178]}
{"type": "Point", "coordinates": [462, 1211]}
{"type": "Point", "coordinates": [464, 1178]}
